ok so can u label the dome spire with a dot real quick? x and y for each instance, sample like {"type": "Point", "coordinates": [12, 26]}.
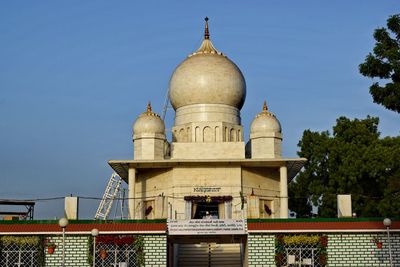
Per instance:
{"type": "Point", "coordinates": [149, 107]}
{"type": "Point", "coordinates": [206, 46]}
{"type": "Point", "coordinates": [265, 111]}
{"type": "Point", "coordinates": [265, 108]}
{"type": "Point", "coordinates": [206, 32]}
{"type": "Point", "coordinates": [149, 111]}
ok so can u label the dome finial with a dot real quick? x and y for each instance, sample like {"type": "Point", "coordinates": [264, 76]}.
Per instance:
{"type": "Point", "coordinates": [206, 46]}
{"type": "Point", "coordinates": [148, 107]}
{"type": "Point", "coordinates": [265, 108]}
{"type": "Point", "coordinates": [206, 32]}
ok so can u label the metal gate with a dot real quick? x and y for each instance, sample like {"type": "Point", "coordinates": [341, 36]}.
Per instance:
{"type": "Point", "coordinates": [19, 255]}
{"type": "Point", "coordinates": [209, 255]}
{"type": "Point", "coordinates": [302, 255]}
{"type": "Point", "coordinates": [115, 255]}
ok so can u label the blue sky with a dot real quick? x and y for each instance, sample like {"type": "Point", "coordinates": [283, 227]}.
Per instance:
{"type": "Point", "coordinates": [74, 75]}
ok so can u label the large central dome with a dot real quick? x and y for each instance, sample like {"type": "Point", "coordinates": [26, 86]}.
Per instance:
{"type": "Point", "coordinates": [207, 77]}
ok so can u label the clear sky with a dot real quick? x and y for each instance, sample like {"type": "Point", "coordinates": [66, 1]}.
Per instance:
{"type": "Point", "coordinates": [74, 75]}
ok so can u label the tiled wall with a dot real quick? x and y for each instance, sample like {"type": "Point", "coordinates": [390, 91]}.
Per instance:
{"type": "Point", "coordinates": [360, 250]}
{"type": "Point", "coordinates": [261, 250]}
{"type": "Point", "coordinates": [155, 249]}
{"type": "Point", "coordinates": [344, 249]}
{"type": "Point", "coordinates": [76, 249]}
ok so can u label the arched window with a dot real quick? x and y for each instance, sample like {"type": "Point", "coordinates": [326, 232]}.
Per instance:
{"type": "Point", "coordinates": [208, 135]}
{"type": "Point", "coordinates": [189, 134]}
{"type": "Point", "coordinates": [233, 135]}
{"type": "Point", "coordinates": [197, 136]}
{"type": "Point", "coordinates": [182, 135]}
{"type": "Point", "coordinates": [217, 134]}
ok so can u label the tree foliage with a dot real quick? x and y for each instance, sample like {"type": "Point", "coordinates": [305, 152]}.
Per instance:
{"type": "Point", "coordinates": [354, 160]}
{"type": "Point", "coordinates": [384, 64]}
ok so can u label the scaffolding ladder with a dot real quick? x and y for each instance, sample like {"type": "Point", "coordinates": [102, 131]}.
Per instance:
{"type": "Point", "coordinates": [108, 198]}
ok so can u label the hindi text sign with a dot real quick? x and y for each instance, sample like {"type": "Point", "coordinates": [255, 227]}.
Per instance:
{"type": "Point", "coordinates": [207, 227]}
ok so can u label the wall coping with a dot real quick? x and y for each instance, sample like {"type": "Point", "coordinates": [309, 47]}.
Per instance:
{"type": "Point", "coordinates": [160, 226]}
{"type": "Point", "coordinates": [320, 225]}
{"type": "Point", "coordinates": [84, 227]}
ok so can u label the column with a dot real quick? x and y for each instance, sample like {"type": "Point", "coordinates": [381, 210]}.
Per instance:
{"type": "Point", "coordinates": [283, 186]}
{"type": "Point", "coordinates": [131, 192]}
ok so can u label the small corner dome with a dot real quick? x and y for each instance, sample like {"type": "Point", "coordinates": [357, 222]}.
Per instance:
{"type": "Point", "coordinates": [207, 77]}
{"type": "Point", "coordinates": [265, 122]}
{"type": "Point", "coordinates": [148, 123]}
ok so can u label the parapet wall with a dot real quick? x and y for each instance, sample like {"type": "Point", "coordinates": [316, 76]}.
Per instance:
{"type": "Point", "coordinates": [348, 242]}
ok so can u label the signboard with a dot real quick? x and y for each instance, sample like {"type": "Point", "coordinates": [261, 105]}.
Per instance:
{"type": "Point", "coordinates": [207, 227]}
{"type": "Point", "coordinates": [203, 189]}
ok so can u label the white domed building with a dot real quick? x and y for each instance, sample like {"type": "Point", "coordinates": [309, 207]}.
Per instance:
{"type": "Point", "coordinates": [207, 177]}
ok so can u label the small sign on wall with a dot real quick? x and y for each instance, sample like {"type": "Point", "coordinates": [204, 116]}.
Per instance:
{"type": "Point", "coordinates": [207, 227]}
{"type": "Point", "coordinates": [204, 189]}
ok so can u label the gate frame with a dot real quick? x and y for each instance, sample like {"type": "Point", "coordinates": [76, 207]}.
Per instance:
{"type": "Point", "coordinates": [197, 239]}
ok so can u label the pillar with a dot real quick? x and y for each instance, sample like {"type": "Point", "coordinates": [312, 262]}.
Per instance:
{"type": "Point", "coordinates": [283, 186]}
{"type": "Point", "coordinates": [131, 192]}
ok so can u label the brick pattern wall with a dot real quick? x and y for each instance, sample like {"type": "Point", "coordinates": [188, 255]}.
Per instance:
{"type": "Point", "coordinates": [360, 250]}
{"type": "Point", "coordinates": [155, 249]}
{"type": "Point", "coordinates": [261, 250]}
{"type": "Point", "coordinates": [76, 249]}
{"type": "Point", "coordinates": [344, 249]}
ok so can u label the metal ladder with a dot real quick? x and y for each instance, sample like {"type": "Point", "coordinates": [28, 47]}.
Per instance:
{"type": "Point", "coordinates": [167, 105]}
{"type": "Point", "coordinates": [108, 197]}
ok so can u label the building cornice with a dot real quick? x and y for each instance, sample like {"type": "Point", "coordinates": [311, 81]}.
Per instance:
{"type": "Point", "coordinates": [293, 165]}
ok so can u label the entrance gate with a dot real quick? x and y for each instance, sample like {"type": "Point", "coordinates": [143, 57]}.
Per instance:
{"type": "Point", "coordinates": [209, 255]}
{"type": "Point", "coordinates": [207, 251]}
{"type": "Point", "coordinates": [207, 242]}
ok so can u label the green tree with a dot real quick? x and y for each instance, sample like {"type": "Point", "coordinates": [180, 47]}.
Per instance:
{"type": "Point", "coordinates": [384, 64]}
{"type": "Point", "coordinates": [354, 160]}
